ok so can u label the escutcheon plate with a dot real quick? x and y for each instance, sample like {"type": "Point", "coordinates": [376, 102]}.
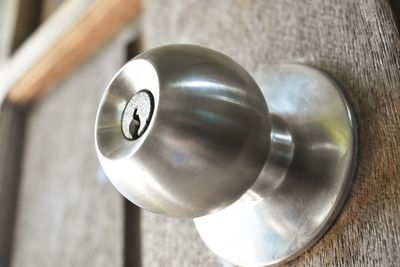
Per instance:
{"type": "Point", "coordinates": [280, 226]}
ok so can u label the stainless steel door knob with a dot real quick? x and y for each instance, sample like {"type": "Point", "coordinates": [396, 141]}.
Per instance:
{"type": "Point", "coordinates": [263, 166]}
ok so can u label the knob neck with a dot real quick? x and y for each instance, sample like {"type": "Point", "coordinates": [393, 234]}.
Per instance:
{"type": "Point", "coordinates": [278, 161]}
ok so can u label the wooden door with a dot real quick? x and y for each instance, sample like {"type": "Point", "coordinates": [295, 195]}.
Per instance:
{"type": "Point", "coordinates": [355, 41]}
{"type": "Point", "coordinates": [68, 214]}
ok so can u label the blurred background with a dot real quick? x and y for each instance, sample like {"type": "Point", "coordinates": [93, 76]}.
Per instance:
{"type": "Point", "coordinates": [57, 207]}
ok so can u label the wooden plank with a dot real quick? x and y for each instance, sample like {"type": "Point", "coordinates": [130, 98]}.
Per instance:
{"type": "Point", "coordinates": [68, 212]}
{"type": "Point", "coordinates": [39, 42]}
{"type": "Point", "coordinates": [358, 43]}
{"type": "Point", "coordinates": [68, 42]}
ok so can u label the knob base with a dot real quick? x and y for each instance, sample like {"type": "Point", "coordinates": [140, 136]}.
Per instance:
{"type": "Point", "coordinates": [278, 225]}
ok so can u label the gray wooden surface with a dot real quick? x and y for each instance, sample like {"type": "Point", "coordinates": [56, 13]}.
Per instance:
{"type": "Point", "coordinates": [68, 212]}
{"type": "Point", "coordinates": [355, 41]}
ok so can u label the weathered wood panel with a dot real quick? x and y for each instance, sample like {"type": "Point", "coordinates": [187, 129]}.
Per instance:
{"type": "Point", "coordinates": [358, 43]}
{"type": "Point", "coordinates": [68, 213]}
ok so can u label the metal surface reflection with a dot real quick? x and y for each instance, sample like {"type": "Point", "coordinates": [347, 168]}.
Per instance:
{"type": "Point", "coordinates": [273, 224]}
{"type": "Point", "coordinates": [206, 142]}
{"type": "Point", "coordinates": [263, 186]}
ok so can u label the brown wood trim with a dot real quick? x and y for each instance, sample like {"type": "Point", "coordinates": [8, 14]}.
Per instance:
{"type": "Point", "coordinates": [96, 25]}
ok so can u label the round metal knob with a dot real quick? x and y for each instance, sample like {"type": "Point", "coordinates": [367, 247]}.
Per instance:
{"type": "Point", "coordinates": [207, 137]}
{"type": "Point", "coordinates": [185, 131]}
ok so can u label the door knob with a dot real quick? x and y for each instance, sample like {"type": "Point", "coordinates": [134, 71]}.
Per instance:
{"type": "Point", "coordinates": [263, 165]}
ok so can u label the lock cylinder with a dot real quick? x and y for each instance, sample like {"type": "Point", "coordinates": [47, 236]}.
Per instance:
{"type": "Point", "coordinates": [137, 115]}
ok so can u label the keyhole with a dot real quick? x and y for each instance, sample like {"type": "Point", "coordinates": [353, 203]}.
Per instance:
{"type": "Point", "coordinates": [135, 124]}
{"type": "Point", "coordinates": [137, 115]}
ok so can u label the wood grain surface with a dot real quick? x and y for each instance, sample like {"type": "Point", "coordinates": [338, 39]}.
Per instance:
{"type": "Point", "coordinates": [358, 43]}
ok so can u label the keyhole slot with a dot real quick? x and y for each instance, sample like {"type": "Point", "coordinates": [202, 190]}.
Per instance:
{"type": "Point", "coordinates": [135, 125]}
{"type": "Point", "coordinates": [137, 115]}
